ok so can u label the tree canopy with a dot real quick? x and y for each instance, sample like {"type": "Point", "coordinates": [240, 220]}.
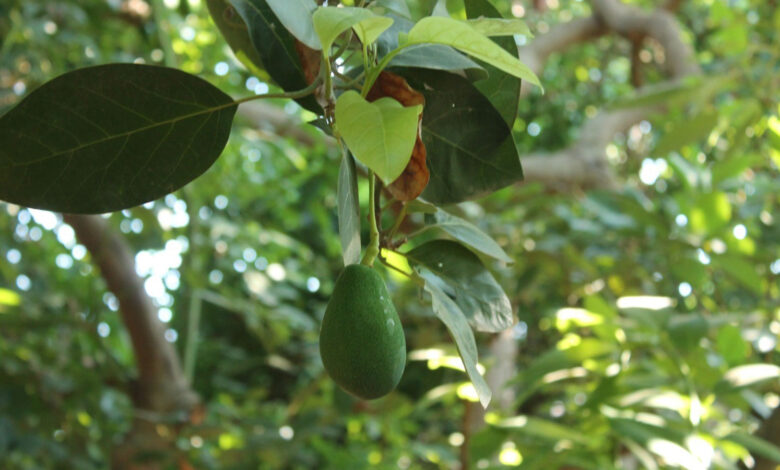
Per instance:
{"type": "Point", "coordinates": [586, 237]}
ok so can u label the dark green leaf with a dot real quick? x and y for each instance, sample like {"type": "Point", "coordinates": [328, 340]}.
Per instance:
{"type": "Point", "coordinates": [742, 270]}
{"type": "Point", "coordinates": [452, 317]}
{"type": "Point", "coordinates": [476, 291]}
{"type": "Point", "coordinates": [686, 330]}
{"type": "Point", "coordinates": [295, 15]}
{"type": "Point", "coordinates": [755, 445]}
{"type": "Point", "coordinates": [105, 138]}
{"type": "Point", "coordinates": [470, 148]}
{"type": "Point", "coordinates": [501, 88]}
{"type": "Point", "coordinates": [236, 34]}
{"type": "Point", "coordinates": [469, 234]}
{"type": "Point", "coordinates": [430, 56]}
{"type": "Point", "coordinates": [349, 211]}
{"type": "Point", "coordinates": [276, 46]}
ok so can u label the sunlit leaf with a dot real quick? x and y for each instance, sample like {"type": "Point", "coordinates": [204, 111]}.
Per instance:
{"type": "Point", "coordinates": [475, 290]}
{"type": "Point", "coordinates": [450, 314]}
{"type": "Point", "coordinates": [461, 36]}
{"type": "Point", "coordinates": [380, 134]}
{"type": "Point", "coordinates": [349, 211]}
{"type": "Point", "coordinates": [756, 445]}
{"type": "Point", "coordinates": [330, 22]}
{"type": "Point", "coordinates": [748, 375]}
{"type": "Point", "coordinates": [498, 26]}
{"type": "Point", "coordinates": [295, 15]}
{"type": "Point", "coordinates": [469, 234]}
{"type": "Point", "coordinates": [109, 137]}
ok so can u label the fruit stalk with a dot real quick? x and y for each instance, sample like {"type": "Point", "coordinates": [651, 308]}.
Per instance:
{"type": "Point", "coordinates": [372, 250]}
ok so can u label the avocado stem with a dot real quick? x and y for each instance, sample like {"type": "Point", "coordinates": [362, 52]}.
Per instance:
{"type": "Point", "coordinates": [372, 250]}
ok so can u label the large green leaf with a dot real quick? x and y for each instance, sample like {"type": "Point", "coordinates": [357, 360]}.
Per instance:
{"type": "Point", "coordinates": [295, 15]}
{"type": "Point", "coordinates": [276, 46]}
{"type": "Point", "coordinates": [349, 211]}
{"type": "Point", "coordinates": [452, 317]}
{"type": "Point", "coordinates": [469, 145]}
{"type": "Point", "coordinates": [476, 291]}
{"type": "Point", "coordinates": [105, 138]}
{"type": "Point", "coordinates": [501, 88]}
{"type": "Point", "coordinates": [461, 36]}
{"type": "Point", "coordinates": [467, 233]}
{"type": "Point", "coordinates": [690, 131]}
{"type": "Point", "coordinates": [235, 32]}
{"type": "Point", "coordinates": [485, 19]}
{"type": "Point", "coordinates": [755, 445]}
{"type": "Point", "coordinates": [380, 134]}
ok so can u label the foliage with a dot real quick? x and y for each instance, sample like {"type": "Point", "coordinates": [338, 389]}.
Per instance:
{"type": "Point", "coordinates": [648, 319]}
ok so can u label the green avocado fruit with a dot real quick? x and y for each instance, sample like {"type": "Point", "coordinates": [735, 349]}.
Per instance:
{"type": "Point", "coordinates": [362, 340]}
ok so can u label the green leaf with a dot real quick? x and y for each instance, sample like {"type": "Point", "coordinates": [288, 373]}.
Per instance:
{"type": "Point", "coordinates": [330, 22]}
{"type": "Point", "coordinates": [548, 430]}
{"type": "Point", "coordinates": [687, 132]}
{"type": "Point", "coordinates": [429, 56]}
{"type": "Point", "coordinates": [235, 32]}
{"type": "Point", "coordinates": [380, 134]}
{"type": "Point", "coordinates": [497, 26]}
{"type": "Point", "coordinates": [710, 212]}
{"type": "Point", "coordinates": [437, 57]}
{"type": "Point", "coordinates": [731, 345]}
{"type": "Point", "coordinates": [468, 234]}
{"type": "Point", "coordinates": [501, 88]}
{"type": "Point", "coordinates": [109, 137]}
{"type": "Point", "coordinates": [349, 211]}
{"type": "Point", "coordinates": [686, 330]}
{"type": "Point", "coordinates": [470, 147]}
{"type": "Point", "coordinates": [755, 445]}
{"type": "Point", "coordinates": [747, 376]}
{"type": "Point", "coordinates": [276, 46]}
{"type": "Point", "coordinates": [295, 15]}
{"type": "Point", "coordinates": [476, 291]}
{"type": "Point", "coordinates": [452, 317]}
{"type": "Point", "coordinates": [741, 270]}
{"type": "Point", "coordinates": [397, 7]}
{"type": "Point", "coordinates": [733, 166]}
{"type": "Point", "coordinates": [461, 36]}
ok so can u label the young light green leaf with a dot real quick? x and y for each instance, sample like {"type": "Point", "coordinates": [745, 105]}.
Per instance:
{"type": "Point", "coordinates": [462, 36]}
{"type": "Point", "coordinates": [369, 29]}
{"type": "Point", "coordinates": [452, 317]}
{"type": "Point", "coordinates": [330, 22]}
{"type": "Point", "coordinates": [295, 15]}
{"type": "Point", "coordinates": [755, 445]}
{"type": "Point", "coordinates": [469, 234]}
{"type": "Point", "coordinates": [349, 211]}
{"type": "Point", "coordinates": [380, 134]}
{"type": "Point", "coordinates": [476, 291]}
{"type": "Point", "coordinates": [500, 26]}
{"type": "Point", "coordinates": [105, 138]}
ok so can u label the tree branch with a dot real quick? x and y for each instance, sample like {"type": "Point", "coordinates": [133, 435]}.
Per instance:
{"type": "Point", "coordinates": [584, 163]}
{"type": "Point", "coordinates": [160, 393]}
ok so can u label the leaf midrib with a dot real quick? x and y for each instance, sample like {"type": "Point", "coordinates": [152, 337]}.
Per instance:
{"type": "Point", "coordinates": [126, 134]}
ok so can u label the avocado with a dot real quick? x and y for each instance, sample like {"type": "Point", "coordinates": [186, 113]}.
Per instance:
{"type": "Point", "coordinates": [362, 340]}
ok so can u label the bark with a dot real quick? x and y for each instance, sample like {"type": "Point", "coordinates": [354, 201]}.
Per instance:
{"type": "Point", "coordinates": [161, 395]}
{"type": "Point", "coordinates": [584, 163]}
{"type": "Point", "coordinates": [769, 430]}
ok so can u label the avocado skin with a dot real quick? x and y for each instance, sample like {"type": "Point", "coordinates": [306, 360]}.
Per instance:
{"type": "Point", "coordinates": [362, 340]}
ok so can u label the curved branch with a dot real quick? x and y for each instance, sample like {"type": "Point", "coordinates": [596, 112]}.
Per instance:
{"type": "Point", "coordinates": [161, 393]}
{"type": "Point", "coordinates": [584, 163]}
